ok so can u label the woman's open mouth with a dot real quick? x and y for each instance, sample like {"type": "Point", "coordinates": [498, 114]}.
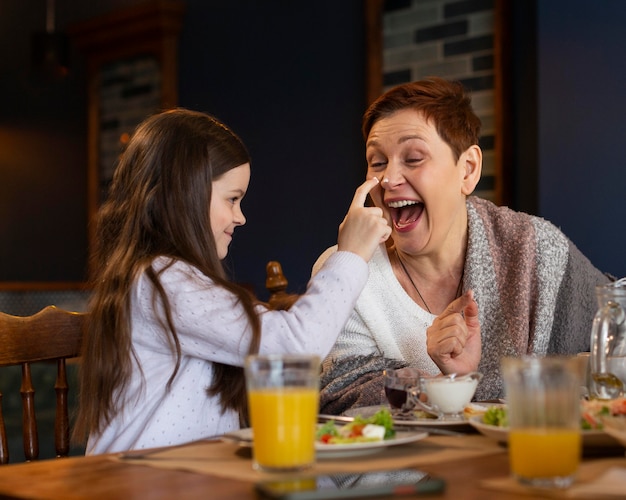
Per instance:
{"type": "Point", "coordinates": [404, 213]}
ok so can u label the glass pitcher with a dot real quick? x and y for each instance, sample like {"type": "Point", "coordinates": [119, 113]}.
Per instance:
{"type": "Point", "coordinates": [607, 360]}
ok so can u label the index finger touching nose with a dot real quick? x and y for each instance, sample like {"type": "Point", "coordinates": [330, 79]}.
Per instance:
{"type": "Point", "coordinates": [362, 191]}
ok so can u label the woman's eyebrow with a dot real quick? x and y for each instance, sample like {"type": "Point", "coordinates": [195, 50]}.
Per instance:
{"type": "Point", "coordinates": [402, 139]}
{"type": "Point", "coordinates": [406, 138]}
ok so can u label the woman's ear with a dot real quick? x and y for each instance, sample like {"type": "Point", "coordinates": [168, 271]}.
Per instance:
{"type": "Point", "coordinates": [472, 164]}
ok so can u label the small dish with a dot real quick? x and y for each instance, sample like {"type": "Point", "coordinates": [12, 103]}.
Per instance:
{"type": "Point", "coordinates": [243, 437]}
{"type": "Point", "coordinates": [591, 439]}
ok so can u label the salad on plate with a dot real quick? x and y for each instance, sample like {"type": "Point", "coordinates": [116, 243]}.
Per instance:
{"type": "Point", "coordinates": [377, 427]}
{"type": "Point", "coordinates": [592, 413]}
{"type": "Point", "coordinates": [596, 418]}
{"type": "Point", "coordinates": [594, 410]}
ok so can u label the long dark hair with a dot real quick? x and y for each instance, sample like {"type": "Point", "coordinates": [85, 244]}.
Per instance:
{"type": "Point", "coordinates": [158, 205]}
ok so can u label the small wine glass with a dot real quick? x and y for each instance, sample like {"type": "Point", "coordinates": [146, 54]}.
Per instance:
{"type": "Point", "coordinates": [398, 385]}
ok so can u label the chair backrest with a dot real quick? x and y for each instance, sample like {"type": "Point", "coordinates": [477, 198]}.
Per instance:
{"type": "Point", "coordinates": [276, 284]}
{"type": "Point", "coordinates": [52, 334]}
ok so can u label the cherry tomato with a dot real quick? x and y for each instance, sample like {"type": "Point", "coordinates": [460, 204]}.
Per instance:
{"type": "Point", "coordinates": [326, 438]}
{"type": "Point", "coordinates": [357, 430]}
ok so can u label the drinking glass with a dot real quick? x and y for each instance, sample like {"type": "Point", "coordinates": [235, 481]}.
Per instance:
{"type": "Point", "coordinates": [398, 384]}
{"type": "Point", "coordinates": [283, 397]}
{"type": "Point", "coordinates": [543, 399]}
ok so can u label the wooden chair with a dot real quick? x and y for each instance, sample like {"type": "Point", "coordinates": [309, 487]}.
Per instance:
{"type": "Point", "coordinates": [276, 284]}
{"type": "Point", "coordinates": [50, 335]}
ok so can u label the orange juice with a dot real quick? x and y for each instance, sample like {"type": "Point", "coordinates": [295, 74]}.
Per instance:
{"type": "Point", "coordinates": [283, 422]}
{"type": "Point", "coordinates": [544, 452]}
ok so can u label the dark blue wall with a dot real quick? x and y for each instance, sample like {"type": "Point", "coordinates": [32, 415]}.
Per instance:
{"type": "Point", "coordinates": [289, 78]}
{"type": "Point", "coordinates": [581, 125]}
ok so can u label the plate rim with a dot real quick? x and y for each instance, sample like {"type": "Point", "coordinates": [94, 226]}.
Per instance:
{"type": "Point", "coordinates": [409, 437]}
{"type": "Point", "coordinates": [239, 436]}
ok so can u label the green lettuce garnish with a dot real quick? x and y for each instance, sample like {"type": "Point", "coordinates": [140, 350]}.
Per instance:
{"type": "Point", "coordinates": [496, 415]}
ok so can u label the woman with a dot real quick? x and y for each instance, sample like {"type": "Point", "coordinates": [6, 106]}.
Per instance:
{"type": "Point", "coordinates": [461, 282]}
{"type": "Point", "coordinates": [168, 333]}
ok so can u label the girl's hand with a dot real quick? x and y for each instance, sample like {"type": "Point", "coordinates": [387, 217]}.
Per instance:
{"type": "Point", "coordinates": [453, 341]}
{"type": "Point", "coordinates": [363, 228]}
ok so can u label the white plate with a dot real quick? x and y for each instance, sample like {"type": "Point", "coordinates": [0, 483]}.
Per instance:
{"type": "Point", "coordinates": [591, 439]}
{"type": "Point", "coordinates": [243, 437]}
{"type": "Point", "coordinates": [368, 411]}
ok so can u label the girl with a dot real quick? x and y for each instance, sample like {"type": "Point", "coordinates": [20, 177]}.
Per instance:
{"type": "Point", "coordinates": [162, 361]}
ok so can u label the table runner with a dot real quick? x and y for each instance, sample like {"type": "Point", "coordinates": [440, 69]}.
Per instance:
{"type": "Point", "coordinates": [229, 460]}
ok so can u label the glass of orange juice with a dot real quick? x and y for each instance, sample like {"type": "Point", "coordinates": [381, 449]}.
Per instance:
{"type": "Point", "coordinates": [283, 400]}
{"type": "Point", "coordinates": [543, 400]}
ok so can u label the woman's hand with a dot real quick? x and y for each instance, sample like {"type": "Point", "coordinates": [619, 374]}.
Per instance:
{"type": "Point", "coordinates": [363, 228]}
{"type": "Point", "coordinates": [453, 340]}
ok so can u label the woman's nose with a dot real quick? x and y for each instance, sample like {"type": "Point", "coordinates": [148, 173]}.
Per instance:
{"type": "Point", "coordinates": [392, 177]}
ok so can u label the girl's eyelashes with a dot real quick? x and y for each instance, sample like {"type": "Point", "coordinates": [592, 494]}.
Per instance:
{"type": "Point", "coordinates": [237, 198]}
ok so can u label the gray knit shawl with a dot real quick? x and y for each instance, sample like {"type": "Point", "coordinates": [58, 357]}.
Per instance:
{"type": "Point", "coordinates": [535, 292]}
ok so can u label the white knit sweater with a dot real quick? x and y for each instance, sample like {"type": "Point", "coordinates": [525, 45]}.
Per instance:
{"type": "Point", "coordinates": [386, 309]}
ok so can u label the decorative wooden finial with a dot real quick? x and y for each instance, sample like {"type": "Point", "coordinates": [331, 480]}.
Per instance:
{"type": "Point", "coordinates": [275, 281]}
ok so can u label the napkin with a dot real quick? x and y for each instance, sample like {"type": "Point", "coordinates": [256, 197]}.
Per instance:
{"type": "Point", "coordinates": [610, 484]}
{"type": "Point", "coordinates": [596, 479]}
{"type": "Point", "coordinates": [615, 426]}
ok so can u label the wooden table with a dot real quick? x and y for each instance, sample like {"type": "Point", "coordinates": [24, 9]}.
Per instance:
{"type": "Point", "coordinates": [100, 477]}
